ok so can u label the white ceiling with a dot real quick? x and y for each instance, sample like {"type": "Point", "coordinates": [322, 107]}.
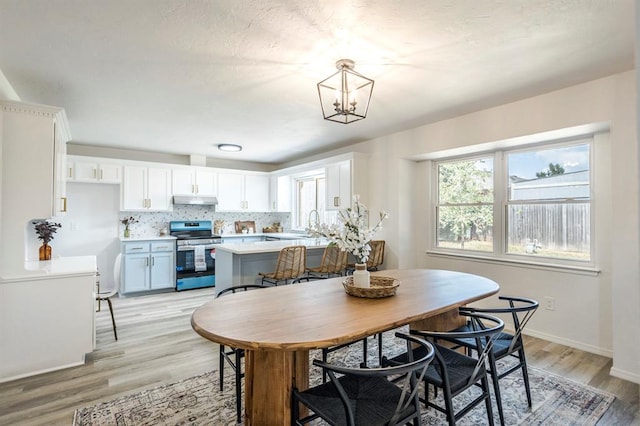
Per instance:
{"type": "Point", "coordinates": [180, 76]}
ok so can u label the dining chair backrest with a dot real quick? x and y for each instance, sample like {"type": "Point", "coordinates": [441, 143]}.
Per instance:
{"type": "Point", "coordinates": [390, 403]}
{"type": "Point", "coordinates": [291, 263]}
{"type": "Point", "coordinates": [238, 288]}
{"type": "Point", "coordinates": [485, 330]}
{"type": "Point", "coordinates": [521, 310]}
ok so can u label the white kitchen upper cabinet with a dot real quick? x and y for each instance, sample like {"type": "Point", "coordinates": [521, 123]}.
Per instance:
{"type": "Point", "coordinates": [93, 171]}
{"type": "Point", "coordinates": [146, 189]}
{"type": "Point", "coordinates": [256, 195]}
{"type": "Point", "coordinates": [194, 181]}
{"type": "Point", "coordinates": [159, 189]}
{"type": "Point", "coordinates": [280, 193]}
{"type": "Point", "coordinates": [243, 192]}
{"type": "Point", "coordinates": [230, 192]}
{"type": "Point", "coordinates": [338, 186]}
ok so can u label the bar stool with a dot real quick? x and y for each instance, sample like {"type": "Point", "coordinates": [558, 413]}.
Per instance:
{"type": "Point", "coordinates": [106, 295]}
{"type": "Point", "coordinates": [334, 262]}
{"type": "Point", "coordinates": [291, 264]}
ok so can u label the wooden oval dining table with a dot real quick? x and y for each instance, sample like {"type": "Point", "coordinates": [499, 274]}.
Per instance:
{"type": "Point", "coordinates": [277, 326]}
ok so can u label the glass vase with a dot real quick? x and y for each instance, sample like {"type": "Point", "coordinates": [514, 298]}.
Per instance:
{"type": "Point", "coordinates": [44, 252]}
{"type": "Point", "coordinates": [127, 233]}
{"type": "Point", "coordinates": [361, 276]}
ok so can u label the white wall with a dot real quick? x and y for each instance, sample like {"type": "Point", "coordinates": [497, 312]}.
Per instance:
{"type": "Point", "coordinates": [598, 313]}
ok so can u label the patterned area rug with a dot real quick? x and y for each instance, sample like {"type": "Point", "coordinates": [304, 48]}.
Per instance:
{"type": "Point", "coordinates": [197, 401]}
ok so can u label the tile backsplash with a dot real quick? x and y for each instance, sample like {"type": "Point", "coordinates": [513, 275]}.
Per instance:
{"type": "Point", "coordinates": [150, 223]}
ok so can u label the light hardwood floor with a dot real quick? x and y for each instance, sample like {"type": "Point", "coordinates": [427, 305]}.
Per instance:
{"type": "Point", "coordinates": [157, 345]}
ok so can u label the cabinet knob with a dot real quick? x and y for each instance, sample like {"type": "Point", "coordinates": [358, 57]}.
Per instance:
{"type": "Point", "coordinates": [336, 201]}
{"type": "Point", "coordinates": [64, 204]}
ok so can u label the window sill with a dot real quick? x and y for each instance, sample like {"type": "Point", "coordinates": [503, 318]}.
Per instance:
{"type": "Point", "coordinates": [473, 257]}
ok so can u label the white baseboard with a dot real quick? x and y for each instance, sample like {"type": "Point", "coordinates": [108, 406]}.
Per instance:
{"type": "Point", "coordinates": [626, 375]}
{"type": "Point", "coordinates": [45, 370]}
{"type": "Point", "coordinates": [571, 343]}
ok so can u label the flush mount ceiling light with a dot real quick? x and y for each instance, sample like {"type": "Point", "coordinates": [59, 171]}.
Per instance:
{"type": "Point", "coordinates": [229, 147]}
{"type": "Point", "coordinates": [345, 95]}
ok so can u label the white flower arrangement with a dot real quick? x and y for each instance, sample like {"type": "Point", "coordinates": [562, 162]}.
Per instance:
{"type": "Point", "coordinates": [351, 234]}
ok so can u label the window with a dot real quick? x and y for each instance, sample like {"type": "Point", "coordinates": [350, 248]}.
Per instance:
{"type": "Point", "coordinates": [532, 203]}
{"type": "Point", "coordinates": [309, 200]}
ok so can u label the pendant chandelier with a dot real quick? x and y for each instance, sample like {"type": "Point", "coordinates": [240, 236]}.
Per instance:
{"type": "Point", "coordinates": [345, 95]}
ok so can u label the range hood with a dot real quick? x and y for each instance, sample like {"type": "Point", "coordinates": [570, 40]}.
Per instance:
{"type": "Point", "coordinates": [195, 200]}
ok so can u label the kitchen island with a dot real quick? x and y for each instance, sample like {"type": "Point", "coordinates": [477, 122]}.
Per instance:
{"type": "Point", "coordinates": [239, 263]}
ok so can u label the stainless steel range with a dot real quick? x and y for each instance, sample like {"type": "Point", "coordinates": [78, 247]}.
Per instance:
{"type": "Point", "coordinates": [195, 254]}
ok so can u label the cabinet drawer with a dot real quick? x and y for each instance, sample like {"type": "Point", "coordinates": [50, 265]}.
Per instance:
{"type": "Point", "coordinates": [162, 246]}
{"type": "Point", "coordinates": [136, 247]}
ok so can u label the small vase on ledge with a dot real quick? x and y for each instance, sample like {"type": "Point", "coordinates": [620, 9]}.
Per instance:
{"type": "Point", "coordinates": [127, 233]}
{"type": "Point", "coordinates": [45, 252]}
{"type": "Point", "coordinates": [361, 276]}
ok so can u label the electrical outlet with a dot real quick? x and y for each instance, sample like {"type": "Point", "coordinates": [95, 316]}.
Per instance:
{"type": "Point", "coordinates": [550, 303]}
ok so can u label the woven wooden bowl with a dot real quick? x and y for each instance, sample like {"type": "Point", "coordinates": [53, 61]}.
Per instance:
{"type": "Point", "coordinates": [379, 287]}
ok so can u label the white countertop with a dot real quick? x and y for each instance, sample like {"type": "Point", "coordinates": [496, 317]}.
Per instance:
{"type": "Point", "coordinates": [283, 235]}
{"type": "Point", "coordinates": [147, 238]}
{"type": "Point", "coordinates": [270, 246]}
{"type": "Point", "coordinates": [58, 267]}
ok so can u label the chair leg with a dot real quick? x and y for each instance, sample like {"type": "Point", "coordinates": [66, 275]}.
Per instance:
{"type": "Point", "coordinates": [448, 403]}
{"type": "Point", "coordinates": [364, 353]}
{"type": "Point", "coordinates": [221, 369]}
{"type": "Point", "coordinates": [113, 319]}
{"type": "Point", "coordinates": [238, 386]}
{"type": "Point", "coordinates": [525, 375]}
{"type": "Point", "coordinates": [496, 387]}
{"type": "Point", "coordinates": [295, 408]}
{"type": "Point", "coordinates": [325, 352]}
{"type": "Point", "coordinates": [487, 400]}
{"type": "Point", "coordinates": [380, 348]}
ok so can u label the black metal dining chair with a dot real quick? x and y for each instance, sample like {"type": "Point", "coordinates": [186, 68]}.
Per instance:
{"type": "Point", "coordinates": [234, 356]}
{"type": "Point", "coordinates": [455, 372]}
{"type": "Point", "coordinates": [506, 345]}
{"type": "Point", "coordinates": [366, 396]}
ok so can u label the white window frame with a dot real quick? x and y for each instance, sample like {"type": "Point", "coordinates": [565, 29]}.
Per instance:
{"type": "Point", "coordinates": [500, 217]}
{"type": "Point", "coordinates": [306, 177]}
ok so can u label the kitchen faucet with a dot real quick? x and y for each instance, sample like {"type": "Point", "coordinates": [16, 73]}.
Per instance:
{"type": "Point", "coordinates": [317, 214]}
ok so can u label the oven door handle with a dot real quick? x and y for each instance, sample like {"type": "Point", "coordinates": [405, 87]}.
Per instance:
{"type": "Point", "coordinates": [191, 248]}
